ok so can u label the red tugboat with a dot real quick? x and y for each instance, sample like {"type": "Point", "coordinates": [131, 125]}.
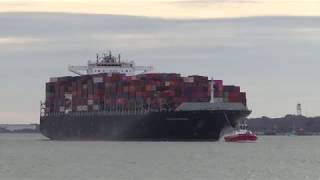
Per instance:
{"type": "Point", "coordinates": [241, 135]}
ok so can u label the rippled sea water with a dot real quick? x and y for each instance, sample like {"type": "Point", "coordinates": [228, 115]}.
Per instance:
{"type": "Point", "coordinates": [31, 156]}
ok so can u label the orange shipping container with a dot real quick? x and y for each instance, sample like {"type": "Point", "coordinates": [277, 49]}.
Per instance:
{"type": "Point", "coordinates": [125, 89]}
{"type": "Point", "coordinates": [150, 87]}
{"type": "Point", "coordinates": [132, 89]}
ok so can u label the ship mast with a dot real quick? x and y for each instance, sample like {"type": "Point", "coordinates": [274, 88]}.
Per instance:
{"type": "Point", "coordinates": [212, 91]}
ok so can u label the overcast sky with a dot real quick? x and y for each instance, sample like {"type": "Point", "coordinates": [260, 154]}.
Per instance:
{"type": "Point", "coordinates": [170, 8]}
{"type": "Point", "coordinates": [275, 59]}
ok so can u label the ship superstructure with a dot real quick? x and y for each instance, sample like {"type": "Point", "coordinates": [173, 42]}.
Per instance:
{"type": "Point", "coordinates": [107, 63]}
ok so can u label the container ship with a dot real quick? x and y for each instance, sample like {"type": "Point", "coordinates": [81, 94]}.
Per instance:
{"type": "Point", "coordinates": [111, 99]}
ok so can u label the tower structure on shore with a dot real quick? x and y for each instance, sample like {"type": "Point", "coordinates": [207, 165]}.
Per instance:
{"type": "Point", "coordinates": [299, 109]}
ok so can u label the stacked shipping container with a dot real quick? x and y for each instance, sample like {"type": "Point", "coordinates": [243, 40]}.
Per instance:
{"type": "Point", "coordinates": [113, 92]}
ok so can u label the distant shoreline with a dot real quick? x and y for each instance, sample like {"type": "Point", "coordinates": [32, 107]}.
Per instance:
{"type": "Point", "coordinates": [19, 128]}
{"type": "Point", "coordinates": [283, 126]}
{"type": "Point", "coordinates": [288, 125]}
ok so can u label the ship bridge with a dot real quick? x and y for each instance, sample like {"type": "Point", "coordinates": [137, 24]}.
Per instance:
{"type": "Point", "coordinates": [107, 63]}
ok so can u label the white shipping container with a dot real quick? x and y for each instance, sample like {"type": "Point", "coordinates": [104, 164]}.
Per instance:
{"type": "Point", "coordinates": [84, 108]}
{"type": "Point", "coordinates": [96, 107]}
{"type": "Point", "coordinates": [90, 102]}
{"type": "Point", "coordinates": [185, 79]}
{"type": "Point", "coordinates": [61, 109]}
{"type": "Point", "coordinates": [188, 79]}
{"type": "Point", "coordinates": [53, 79]}
{"type": "Point", "coordinates": [218, 100]}
{"type": "Point", "coordinates": [68, 110]}
{"type": "Point", "coordinates": [68, 96]}
{"type": "Point", "coordinates": [97, 80]}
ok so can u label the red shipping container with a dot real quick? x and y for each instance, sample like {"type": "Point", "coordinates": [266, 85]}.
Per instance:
{"type": "Point", "coordinates": [234, 97]}
{"type": "Point", "coordinates": [170, 93]}
{"type": "Point", "coordinates": [125, 89]}
{"type": "Point", "coordinates": [132, 89]}
{"type": "Point", "coordinates": [218, 82]}
{"type": "Point", "coordinates": [237, 89]}
{"type": "Point", "coordinates": [141, 94]}
{"type": "Point", "coordinates": [122, 101]}
{"type": "Point", "coordinates": [150, 87]}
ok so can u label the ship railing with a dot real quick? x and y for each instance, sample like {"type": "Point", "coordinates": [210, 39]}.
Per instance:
{"type": "Point", "coordinates": [139, 111]}
{"type": "Point", "coordinates": [86, 113]}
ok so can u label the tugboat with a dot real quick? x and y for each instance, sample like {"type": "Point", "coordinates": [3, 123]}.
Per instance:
{"type": "Point", "coordinates": [241, 135]}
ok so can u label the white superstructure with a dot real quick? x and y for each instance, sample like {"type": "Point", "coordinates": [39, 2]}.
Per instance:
{"type": "Point", "coordinates": [109, 64]}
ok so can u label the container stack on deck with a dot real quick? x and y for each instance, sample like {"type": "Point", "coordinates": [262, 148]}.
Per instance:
{"type": "Point", "coordinates": [117, 92]}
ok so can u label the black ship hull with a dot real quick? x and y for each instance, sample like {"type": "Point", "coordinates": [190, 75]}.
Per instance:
{"type": "Point", "coordinates": [176, 125]}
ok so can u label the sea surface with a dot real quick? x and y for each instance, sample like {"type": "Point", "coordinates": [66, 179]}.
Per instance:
{"type": "Point", "coordinates": [32, 156]}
